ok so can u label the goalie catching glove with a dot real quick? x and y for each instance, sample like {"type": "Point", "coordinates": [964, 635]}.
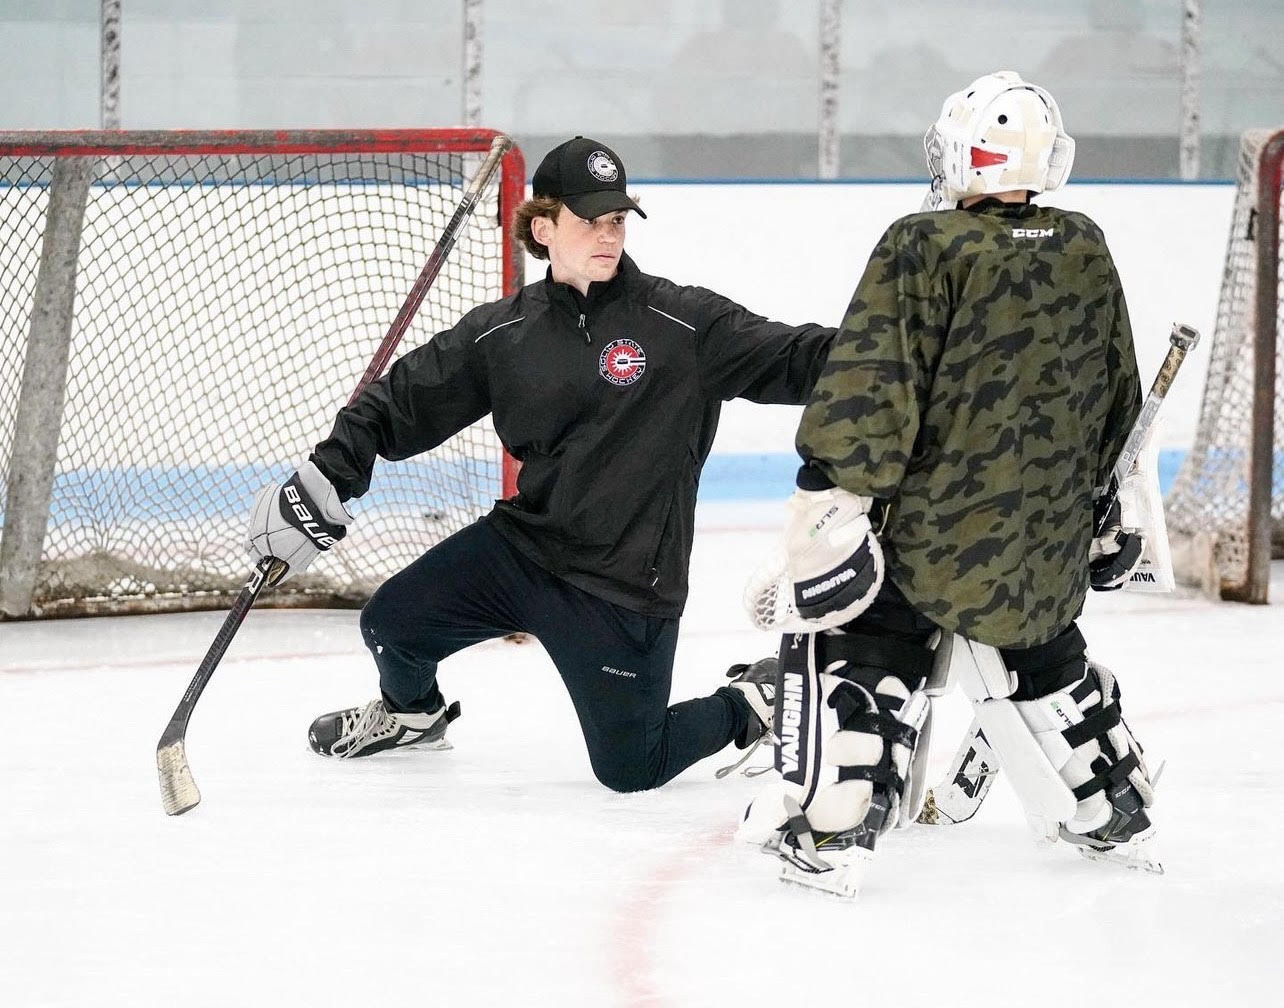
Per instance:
{"type": "Point", "coordinates": [828, 568]}
{"type": "Point", "coordinates": [293, 521]}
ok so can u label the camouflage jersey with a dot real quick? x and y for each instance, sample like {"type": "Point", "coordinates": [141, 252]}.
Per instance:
{"type": "Point", "coordinates": [982, 384]}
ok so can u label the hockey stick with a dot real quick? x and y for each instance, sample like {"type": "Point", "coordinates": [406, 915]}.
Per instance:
{"type": "Point", "coordinates": [960, 793]}
{"type": "Point", "coordinates": [178, 789]}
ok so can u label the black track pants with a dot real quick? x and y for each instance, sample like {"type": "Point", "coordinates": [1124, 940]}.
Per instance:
{"type": "Point", "coordinates": [617, 665]}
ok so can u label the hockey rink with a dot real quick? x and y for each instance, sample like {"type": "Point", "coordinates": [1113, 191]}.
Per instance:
{"type": "Point", "coordinates": [501, 873]}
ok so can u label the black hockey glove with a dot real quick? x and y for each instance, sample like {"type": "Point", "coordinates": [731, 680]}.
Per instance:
{"type": "Point", "coordinates": [1114, 552]}
{"type": "Point", "coordinates": [293, 521]}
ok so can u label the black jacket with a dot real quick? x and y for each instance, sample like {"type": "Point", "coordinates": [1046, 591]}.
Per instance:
{"type": "Point", "coordinates": [610, 403]}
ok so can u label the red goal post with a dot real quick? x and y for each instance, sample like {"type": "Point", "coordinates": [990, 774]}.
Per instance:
{"type": "Point", "coordinates": [183, 313]}
{"type": "Point", "coordinates": [1225, 512]}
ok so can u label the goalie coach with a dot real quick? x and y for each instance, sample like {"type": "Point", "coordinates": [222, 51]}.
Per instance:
{"type": "Point", "coordinates": [606, 384]}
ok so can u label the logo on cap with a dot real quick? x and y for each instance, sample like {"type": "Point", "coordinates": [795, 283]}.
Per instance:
{"type": "Point", "coordinates": [622, 362]}
{"type": "Point", "coordinates": [601, 167]}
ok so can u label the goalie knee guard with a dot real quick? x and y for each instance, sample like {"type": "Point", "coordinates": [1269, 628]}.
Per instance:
{"type": "Point", "coordinates": [852, 722]}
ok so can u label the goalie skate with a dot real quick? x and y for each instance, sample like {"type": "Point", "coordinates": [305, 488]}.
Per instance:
{"type": "Point", "coordinates": [834, 863]}
{"type": "Point", "coordinates": [1126, 840]}
{"type": "Point", "coordinates": [843, 875]}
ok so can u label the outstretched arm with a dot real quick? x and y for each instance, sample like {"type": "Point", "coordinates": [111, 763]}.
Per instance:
{"type": "Point", "coordinates": [428, 395]}
{"type": "Point", "coordinates": [746, 356]}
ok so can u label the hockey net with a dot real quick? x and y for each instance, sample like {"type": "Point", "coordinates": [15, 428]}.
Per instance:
{"type": "Point", "coordinates": [1225, 512]}
{"type": "Point", "coordinates": [229, 290]}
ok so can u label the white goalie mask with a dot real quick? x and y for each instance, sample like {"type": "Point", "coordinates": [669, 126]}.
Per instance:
{"type": "Point", "coordinates": [997, 134]}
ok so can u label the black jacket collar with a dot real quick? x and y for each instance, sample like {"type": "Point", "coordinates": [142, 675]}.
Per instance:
{"type": "Point", "coordinates": [600, 293]}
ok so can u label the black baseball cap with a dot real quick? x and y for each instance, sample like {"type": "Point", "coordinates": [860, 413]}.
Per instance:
{"type": "Point", "coordinates": [586, 176]}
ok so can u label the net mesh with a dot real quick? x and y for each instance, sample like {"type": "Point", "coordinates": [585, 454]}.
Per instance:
{"type": "Point", "coordinates": [1207, 508]}
{"type": "Point", "coordinates": [226, 307]}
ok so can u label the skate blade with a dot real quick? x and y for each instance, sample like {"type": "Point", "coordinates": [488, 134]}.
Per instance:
{"type": "Point", "coordinates": [1137, 854]}
{"type": "Point", "coordinates": [440, 745]}
{"type": "Point", "coordinates": [1134, 856]}
{"type": "Point", "coordinates": [412, 747]}
{"type": "Point", "coordinates": [843, 880]}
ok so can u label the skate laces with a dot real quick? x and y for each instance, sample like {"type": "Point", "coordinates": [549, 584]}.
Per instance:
{"type": "Point", "coordinates": [751, 771]}
{"type": "Point", "coordinates": [750, 682]}
{"type": "Point", "coordinates": [368, 722]}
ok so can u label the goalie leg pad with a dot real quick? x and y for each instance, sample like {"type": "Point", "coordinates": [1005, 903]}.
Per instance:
{"type": "Point", "coordinates": [988, 682]}
{"type": "Point", "coordinates": [1076, 768]}
{"type": "Point", "coordinates": [1079, 725]}
{"type": "Point", "coordinates": [851, 718]}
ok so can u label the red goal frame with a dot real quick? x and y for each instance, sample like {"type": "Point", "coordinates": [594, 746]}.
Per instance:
{"type": "Point", "coordinates": [1266, 336]}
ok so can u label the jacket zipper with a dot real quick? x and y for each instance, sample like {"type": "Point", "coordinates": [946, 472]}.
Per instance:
{"type": "Point", "coordinates": [587, 336]}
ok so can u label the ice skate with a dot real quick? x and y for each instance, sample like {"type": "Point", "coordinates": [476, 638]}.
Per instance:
{"type": "Point", "coordinates": [757, 684]}
{"type": "Point", "coordinates": [1137, 853]}
{"type": "Point", "coordinates": [364, 731]}
{"type": "Point", "coordinates": [1126, 840]}
{"type": "Point", "coordinates": [833, 863]}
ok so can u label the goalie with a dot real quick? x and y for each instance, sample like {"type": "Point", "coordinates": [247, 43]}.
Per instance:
{"type": "Point", "coordinates": [979, 391]}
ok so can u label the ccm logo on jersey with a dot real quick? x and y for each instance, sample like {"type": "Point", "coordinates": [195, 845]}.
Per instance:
{"type": "Point", "coordinates": [1033, 232]}
{"type": "Point", "coordinates": [305, 519]}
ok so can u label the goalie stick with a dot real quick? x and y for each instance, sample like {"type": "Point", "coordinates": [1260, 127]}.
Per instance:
{"type": "Point", "coordinates": [178, 788]}
{"type": "Point", "coordinates": [975, 765]}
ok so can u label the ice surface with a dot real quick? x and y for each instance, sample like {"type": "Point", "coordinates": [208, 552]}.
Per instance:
{"type": "Point", "coordinates": [501, 873]}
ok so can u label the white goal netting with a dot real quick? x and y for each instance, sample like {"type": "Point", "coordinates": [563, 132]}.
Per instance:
{"type": "Point", "coordinates": [1210, 505]}
{"type": "Point", "coordinates": [226, 304]}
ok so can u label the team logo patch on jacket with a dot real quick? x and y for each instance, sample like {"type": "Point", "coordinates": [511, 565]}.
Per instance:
{"type": "Point", "coordinates": [622, 362]}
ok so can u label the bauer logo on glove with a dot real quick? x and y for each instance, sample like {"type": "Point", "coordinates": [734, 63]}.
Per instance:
{"type": "Point", "coordinates": [324, 537]}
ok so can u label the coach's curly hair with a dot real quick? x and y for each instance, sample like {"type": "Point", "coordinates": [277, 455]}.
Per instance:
{"type": "Point", "coordinates": [540, 206]}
